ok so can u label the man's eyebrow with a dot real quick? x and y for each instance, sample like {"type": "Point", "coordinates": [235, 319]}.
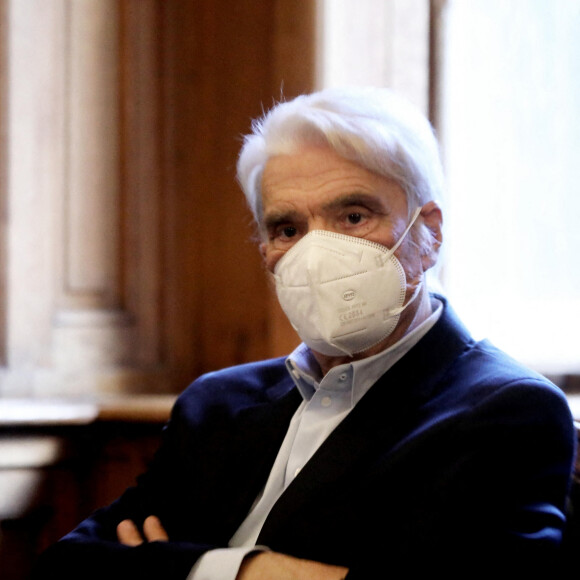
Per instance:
{"type": "Point", "coordinates": [275, 218]}
{"type": "Point", "coordinates": [356, 198]}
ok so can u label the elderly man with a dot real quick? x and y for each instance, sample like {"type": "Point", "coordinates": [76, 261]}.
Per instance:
{"type": "Point", "coordinates": [389, 439]}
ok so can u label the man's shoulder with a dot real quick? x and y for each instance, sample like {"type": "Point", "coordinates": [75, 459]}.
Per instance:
{"type": "Point", "coordinates": [488, 382]}
{"type": "Point", "coordinates": [251, 373]}
{"type": "Point", "coordinates": [478, 371]}
{"type": "Point", "coordinates": [480, 360]}
{"type": "Point", "coordinates": [245, 384]}
{"type": "Point", "coordinates": [486, 363]}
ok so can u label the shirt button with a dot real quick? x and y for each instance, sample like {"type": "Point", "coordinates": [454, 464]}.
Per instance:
{"type": "Point", "coordinates": [343, 377]}
{"type": "Point", "coordinates": [326, 401]}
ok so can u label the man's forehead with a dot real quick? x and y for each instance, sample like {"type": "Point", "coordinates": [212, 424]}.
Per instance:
{"type": "Point", "coordinates": [285, 183]}
{"type": "Point", "coordinates": [309, 163]}
{"type": "Point", "coordinates": [317, 167]}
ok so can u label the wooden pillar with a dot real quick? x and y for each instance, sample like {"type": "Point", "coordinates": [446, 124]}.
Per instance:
{"type": "Point", "coordinates": [227, 66]}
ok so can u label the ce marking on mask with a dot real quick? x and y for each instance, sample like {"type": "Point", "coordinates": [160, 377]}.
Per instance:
{"type": "Point", "coordinates": [353, 312]}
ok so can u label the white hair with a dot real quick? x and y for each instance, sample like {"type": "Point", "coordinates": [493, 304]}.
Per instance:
{"type": "Point", "coordinates": [370, 126]}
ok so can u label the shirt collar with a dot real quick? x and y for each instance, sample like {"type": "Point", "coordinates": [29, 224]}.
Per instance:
{"type": "Point", "coordinates": [362, 374]}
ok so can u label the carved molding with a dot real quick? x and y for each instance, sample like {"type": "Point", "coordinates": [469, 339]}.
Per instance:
{"type": "Point", "coordinates": [92, 166]}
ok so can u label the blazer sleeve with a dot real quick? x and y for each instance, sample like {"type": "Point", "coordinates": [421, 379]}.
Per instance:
{"type": "Point", "coordinates": [91, 551]}
{"type": "Point", "coordinates": [212, 462]}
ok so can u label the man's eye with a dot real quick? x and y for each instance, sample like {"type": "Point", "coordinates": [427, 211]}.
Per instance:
{"type": "Point", "coordinates": [288, 232]}
{"type": "Point", "coordinates": [354, 218]}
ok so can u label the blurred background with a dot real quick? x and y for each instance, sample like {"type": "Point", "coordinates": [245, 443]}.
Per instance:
{"type": "Point", "coordinates": [127, 265]}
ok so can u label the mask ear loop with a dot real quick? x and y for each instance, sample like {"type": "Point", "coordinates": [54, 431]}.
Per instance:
{"type": "Point", "coordinates": [392, 251]}
{"type": "Point", "coordinates": [400, 241]}
{"type": "Point", "coordinates": [411, 223]}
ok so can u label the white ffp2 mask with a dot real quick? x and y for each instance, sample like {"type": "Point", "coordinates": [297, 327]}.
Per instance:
{"type": "Point", "coordinates": [342, 294]}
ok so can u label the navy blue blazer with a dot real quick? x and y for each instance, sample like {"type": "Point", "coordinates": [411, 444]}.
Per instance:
{"type": "Point", "coordinates": [458, 459]}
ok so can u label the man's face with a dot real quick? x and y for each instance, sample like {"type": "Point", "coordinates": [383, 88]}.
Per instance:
{"type": "Point", "coordinates": [316, 189]}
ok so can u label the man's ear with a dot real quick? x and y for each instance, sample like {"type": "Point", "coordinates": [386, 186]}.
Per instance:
{"type": "Point", "coordinates": [432, 218]}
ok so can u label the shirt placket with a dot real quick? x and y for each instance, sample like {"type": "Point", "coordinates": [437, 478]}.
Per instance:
{"type": "Point", "coordinates": [329, 404]}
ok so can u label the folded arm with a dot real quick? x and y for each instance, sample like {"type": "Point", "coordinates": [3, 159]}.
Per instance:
{"type": "Point", "coordinates": [256, 566]}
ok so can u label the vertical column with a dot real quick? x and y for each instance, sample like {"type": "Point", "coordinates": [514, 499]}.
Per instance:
{"type": "Point", "coordinates": [92, 193]}
{"type": "Point", "coordinates": [83, 213]}
{"type": "Point", "coordinates": [92, 328]}
{"type": "Point", "coordinates": [34, 113]}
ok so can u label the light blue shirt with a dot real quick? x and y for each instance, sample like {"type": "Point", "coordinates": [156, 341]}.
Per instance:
{"type": "Point", "coordinates": [327, 400]}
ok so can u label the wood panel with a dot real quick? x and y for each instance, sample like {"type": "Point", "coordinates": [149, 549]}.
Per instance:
{"type": "Point", "coordinates": [226, 66]}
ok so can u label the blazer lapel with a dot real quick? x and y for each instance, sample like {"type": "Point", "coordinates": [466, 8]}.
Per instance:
{"type": "Point", "coordinates": [259, 433]}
